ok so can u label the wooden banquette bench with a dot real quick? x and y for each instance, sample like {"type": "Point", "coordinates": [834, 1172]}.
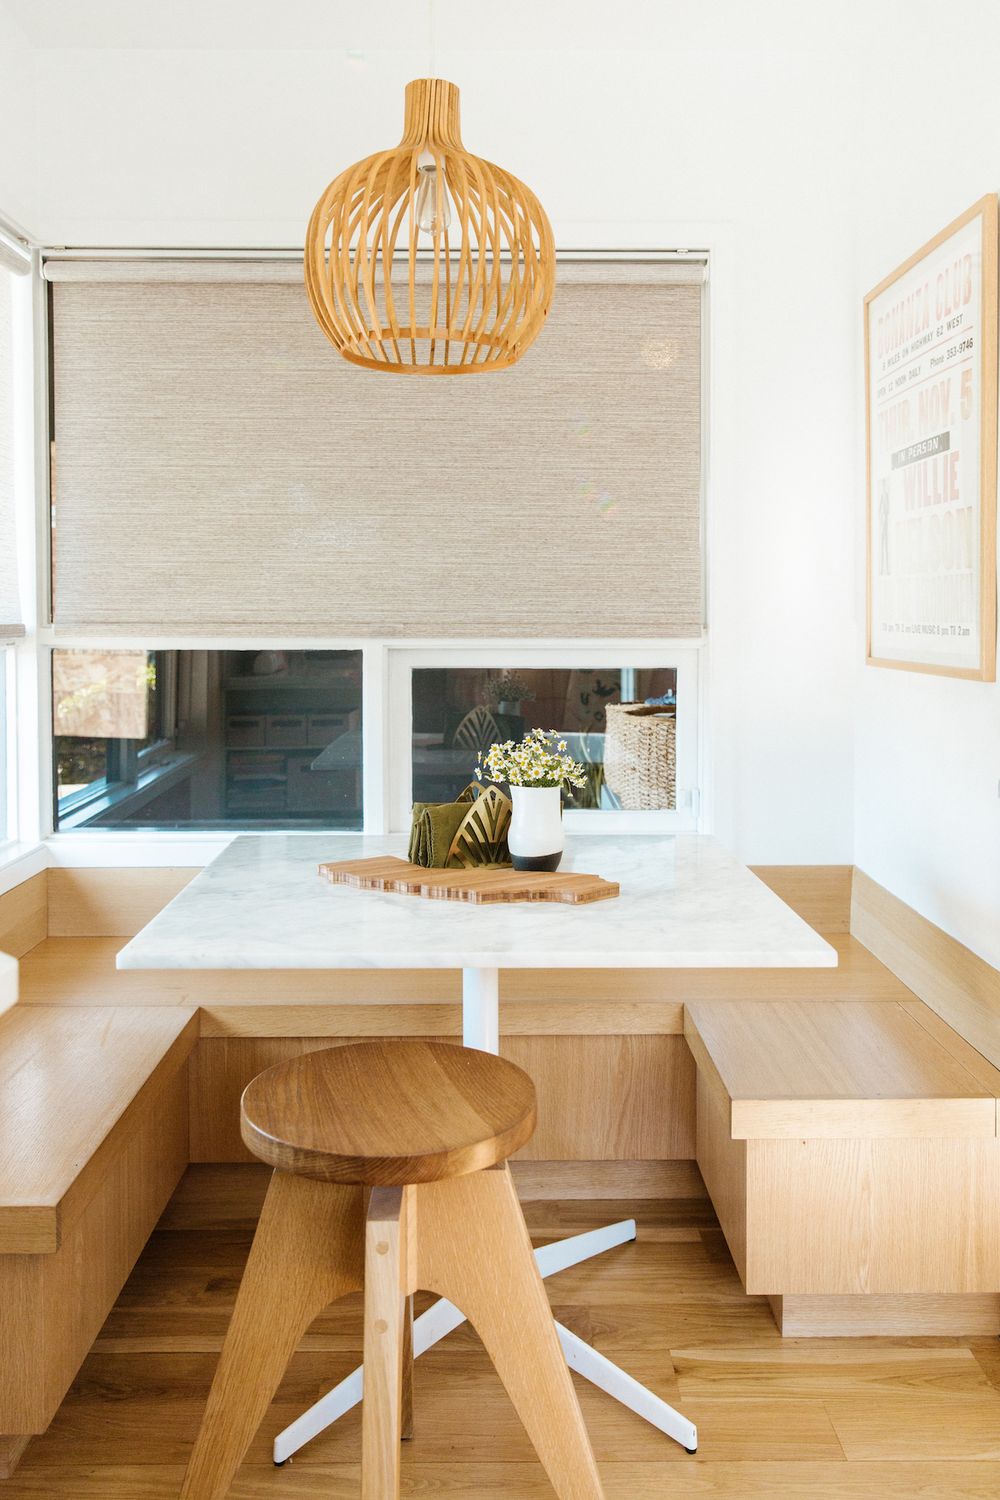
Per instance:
{"type": "Point", "coordinates": [847, 1135]}
{"type": "Point", "coordinates": [851, 1154]}
{"type": "Point", "coordinates": [93, 1141]}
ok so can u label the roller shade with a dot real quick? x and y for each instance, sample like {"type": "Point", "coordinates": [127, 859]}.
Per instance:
{"type": "Point", "coordinates": [10, 608]}
{"type": "Point", "coordinates": [221, 469]}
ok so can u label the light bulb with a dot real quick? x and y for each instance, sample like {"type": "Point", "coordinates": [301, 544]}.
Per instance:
{"type": "Point", "coordinates": [433, 215]}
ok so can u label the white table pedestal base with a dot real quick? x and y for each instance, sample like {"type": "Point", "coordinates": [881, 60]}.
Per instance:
{"type": "Point", "coordinates": [481, 1009]}
{"type": "Point", "coordinates": [481, 1029]}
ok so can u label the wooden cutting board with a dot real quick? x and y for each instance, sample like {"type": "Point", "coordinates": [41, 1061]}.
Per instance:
{"type": "Point", "coordinates": [484, 886]}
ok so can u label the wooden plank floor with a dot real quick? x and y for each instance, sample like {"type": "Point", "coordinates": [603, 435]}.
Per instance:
{"type": "Point", "coordinates": [778, 1419]}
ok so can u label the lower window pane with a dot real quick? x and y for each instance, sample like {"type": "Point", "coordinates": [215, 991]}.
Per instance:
{"type": "Point", "coordinates": [207, 739]}
{"type": "Point", "coordinates": [630, 757]}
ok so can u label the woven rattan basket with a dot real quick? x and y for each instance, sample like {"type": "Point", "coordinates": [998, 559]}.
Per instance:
{"type": "Point", "coordinates": [640, 756]}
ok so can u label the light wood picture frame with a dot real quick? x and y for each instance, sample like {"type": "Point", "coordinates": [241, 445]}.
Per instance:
{"type": "Point", "coordinates": [931, 454]}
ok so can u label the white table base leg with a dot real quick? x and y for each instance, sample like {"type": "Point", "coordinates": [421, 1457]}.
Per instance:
{"type": "Point", "coordinates": [586, 1361]}
{"type": "Point", "coordinates": [428, 1330]}
{"type": "Point", "coordinates": [443, 1318]}
{"type": "Point", "coordinates": [561, 1254]}
{"type": "Point", "coordinates": [481, 1009]}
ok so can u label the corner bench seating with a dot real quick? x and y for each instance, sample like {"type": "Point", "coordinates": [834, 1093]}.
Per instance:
{"type": "Point", "coordinates": [93, 1141]}
{"type": "Point", "coordinates": [849, 1146]}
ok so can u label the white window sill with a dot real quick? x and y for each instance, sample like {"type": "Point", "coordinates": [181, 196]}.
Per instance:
{"type": "Point", "coordinates": [19, 862]}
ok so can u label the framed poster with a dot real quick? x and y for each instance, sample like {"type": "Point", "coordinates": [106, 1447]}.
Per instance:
{"type": "Point", "coordinates": [931, 398]}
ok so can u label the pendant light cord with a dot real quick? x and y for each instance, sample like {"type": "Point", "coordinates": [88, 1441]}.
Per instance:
{"type": "Point", "coordinates": [431, 39]}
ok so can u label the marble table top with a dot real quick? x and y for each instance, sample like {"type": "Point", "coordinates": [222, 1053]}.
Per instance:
{"type": "Point", "coordinates": [685, 903]}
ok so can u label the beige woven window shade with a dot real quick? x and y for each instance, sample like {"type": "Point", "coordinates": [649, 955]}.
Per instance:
{"type": "Point", "coordinates": [10, 608]}
{"type": "Point", "coordinates": [220, 471]}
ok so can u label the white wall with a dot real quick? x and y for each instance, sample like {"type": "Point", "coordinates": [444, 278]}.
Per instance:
{"type": "Point", "coordinates": [811, 147]}
{"type": "Point", "coordinates": [724, 124]}
{"type": "Point", "coordinates": [928, 748]}
{"type": "Point", "coordinates": [18, 147]}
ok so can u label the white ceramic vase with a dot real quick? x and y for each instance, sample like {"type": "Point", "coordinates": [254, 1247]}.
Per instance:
{"type": "Point", "coordinates": [535, 837]}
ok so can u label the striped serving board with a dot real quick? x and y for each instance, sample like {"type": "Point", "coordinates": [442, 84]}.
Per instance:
{"type": "Point", "coordinates": [483, 886]}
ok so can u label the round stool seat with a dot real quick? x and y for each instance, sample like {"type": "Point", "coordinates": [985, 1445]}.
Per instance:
{"type": "Point", "coordinates": [388, 1113]}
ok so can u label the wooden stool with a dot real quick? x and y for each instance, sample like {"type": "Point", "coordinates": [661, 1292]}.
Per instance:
{"type": "Point", "coordinates": [428, 1127]}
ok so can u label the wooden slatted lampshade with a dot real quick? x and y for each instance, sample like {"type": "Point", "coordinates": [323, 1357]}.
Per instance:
{"type": "Point", "coordinates": [426, 260]}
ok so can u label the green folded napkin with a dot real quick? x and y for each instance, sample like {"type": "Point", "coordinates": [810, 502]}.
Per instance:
{"type": "Point", "coordinates": [435, 825]}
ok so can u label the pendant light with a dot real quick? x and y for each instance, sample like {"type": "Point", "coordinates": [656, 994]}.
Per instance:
{"type": "Point", "coordinates": [426, 260]}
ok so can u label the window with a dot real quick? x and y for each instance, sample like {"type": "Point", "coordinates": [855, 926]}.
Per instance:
{"type": "Point", "coordinates": [6, 756]}
{"type": "Point", "coordinates": [206, 739]}
{"type": "Point", "coordinates": [448, 704]}
{"type": "Point", "coordinates": [107, 712]}
{"type": "Point", "coordinates": [216, 740]}
{"type": "Point", "coordinates": [14, 390]}
{"type": "Point", "coordinates": [11, 373]}
{"type": "Point", "coordinates": [460, 711]}
{"type": "Point", "coordinates": [262, 739]}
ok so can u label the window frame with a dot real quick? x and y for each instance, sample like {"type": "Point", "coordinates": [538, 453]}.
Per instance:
{"type": "Point", "coordinates": [386, 726]}
{"type": "Point", "coordinates": [682, 656]}
{"type": "Point", "coordinates": [135, 776]}
{"type": "Point", "coordinates": [8, 746]}
{"type": "Point", "coordinates": [131, 847]}
{"type": "Point", "coordinates": [21, 750]}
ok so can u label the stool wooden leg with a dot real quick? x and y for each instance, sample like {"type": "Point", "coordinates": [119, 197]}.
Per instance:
{"type": "Point", "coordinates": [11, 1453]}
{"type": "Point", "coordinates": [408, 1369]}
{"type": "Point", "coordinates": [473, 1247]}
{"type": "Point", "coordinates": [389, 1283]}
{"type": "Point", "coordinates": [308, 1250]}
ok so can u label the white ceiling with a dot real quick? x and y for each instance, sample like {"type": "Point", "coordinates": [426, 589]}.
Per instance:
{"type": "Point", "coordinates": [459, 25]}
{"type": "Point", "coordinates": [220, 24]}
{"type": "Point", "coordinates": [217, 122]}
